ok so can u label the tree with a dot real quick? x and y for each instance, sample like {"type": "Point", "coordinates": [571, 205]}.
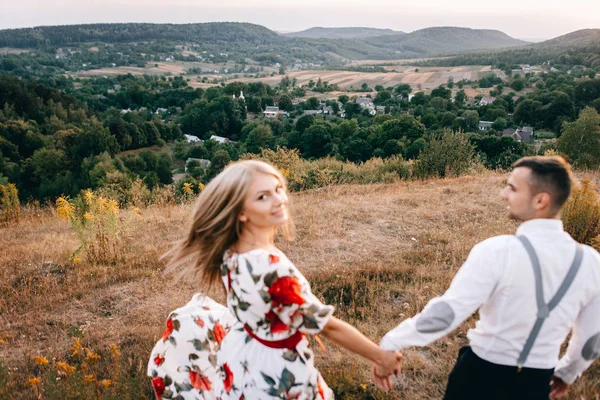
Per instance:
{"type": "Point", "coordinates": [442, 92]}
{"type": "Point", "coordinates": [471, 118]}
{"type": "Point", "coordinates": [499, 124]}
{"type": "Point", "coordinates": [518, 83]}
{"type": "Point", "coordinates": [528, 112]}
{"type": "Point", "coordinates": [452, 155]}
{"type": "Point", "coordinates": [460, 98]}
{"type": "Point", "coordinates": [343, 99]}
{"type": "Point", "coordinates": [404, 128]}
{"type": "Point", "coordinates": [285, 103]}
{"type": "Point", "coordinates": [315, 141]}
{"type": "Point", "coordinates": [352, 109]}
{"type": "Point", "coordinates": [218, 161]}
{"type": "Point", "coordinates": [580, 140]}
{"type": "Point", "coordinates": [259, 138]}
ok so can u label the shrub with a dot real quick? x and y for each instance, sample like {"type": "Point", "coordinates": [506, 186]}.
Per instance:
{"type": "Point", "coordinates": [581, 214]}
{"type": "Point", "coordinates": [9, 204]}
{"type": "Point", "coordinates": [452, 155]}
{"type": "Point", "coordinates": [303, 174]}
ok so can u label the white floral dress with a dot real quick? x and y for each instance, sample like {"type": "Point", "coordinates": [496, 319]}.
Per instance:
{"type": "Point", "coordinates": [255, 349]}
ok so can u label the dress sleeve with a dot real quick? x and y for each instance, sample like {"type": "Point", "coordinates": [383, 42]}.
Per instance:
{"type": "Point", "coordinates": [291, 303]}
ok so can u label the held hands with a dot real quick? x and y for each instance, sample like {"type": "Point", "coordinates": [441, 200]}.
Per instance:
{"type": "Point", "coordinates": [558, 388]}
{"type": "Point", "coordinates": [388, 364]}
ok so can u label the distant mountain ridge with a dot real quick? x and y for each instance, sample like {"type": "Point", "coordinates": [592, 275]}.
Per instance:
{"type": "Point", "coordinates": [260, 43]}
{"type": "Point", "coordinates": [581, 47]}
{"type": "Point", "coordinates": [318, 32]}
{"type": "Point", "coordinates": [440, 40]}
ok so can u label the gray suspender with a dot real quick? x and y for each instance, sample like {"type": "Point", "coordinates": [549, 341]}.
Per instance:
{"type": "Point", "coordinates": [543, 308]}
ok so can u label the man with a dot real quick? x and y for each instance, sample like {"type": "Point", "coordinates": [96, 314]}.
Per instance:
{"type": "Point", "coordinates": [531, 290]}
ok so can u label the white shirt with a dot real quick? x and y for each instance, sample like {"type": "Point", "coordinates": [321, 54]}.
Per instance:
{"type": "Point", "coordinates": [498, 279]}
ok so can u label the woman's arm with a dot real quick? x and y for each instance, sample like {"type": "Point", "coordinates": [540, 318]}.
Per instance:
{"type": "Point", "coordinates": [351, 339]}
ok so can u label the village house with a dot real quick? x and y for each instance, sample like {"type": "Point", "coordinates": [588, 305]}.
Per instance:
{"type": "Point", "coordinates": [486, 100]}
{"type": "Point", "coordinates": [271, 112]}
{"type": "Point", "coordinates": [193, 139]}
{"type": "Point", "coordinates": [366, 103]}
{"type": "Point", "coordinates": [524, 134]}
{"type": "Point", "coordinates": [203, 163]}
{"type": "Point", "coordinates": [485, 125]}
{"type": "Point", "coordinates": [221, 139]}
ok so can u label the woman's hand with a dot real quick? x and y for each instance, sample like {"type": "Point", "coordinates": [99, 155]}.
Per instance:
{"type": "Point", "coordinates": [387, 364]}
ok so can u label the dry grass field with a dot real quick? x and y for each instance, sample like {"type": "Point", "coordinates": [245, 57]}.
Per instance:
{"type": "Point", "coordinates": [423, 79]}
{"type": "Point", "coordinates": [377, 253]}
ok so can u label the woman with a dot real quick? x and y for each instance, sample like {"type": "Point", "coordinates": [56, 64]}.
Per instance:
{"type": "Point", "coordinates": [257, 347]}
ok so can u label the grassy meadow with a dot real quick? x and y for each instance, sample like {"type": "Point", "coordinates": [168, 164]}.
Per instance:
{"type": "Point", "coordinates": [75, 328]}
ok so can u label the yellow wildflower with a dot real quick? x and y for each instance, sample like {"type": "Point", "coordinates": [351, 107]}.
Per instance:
{"type": "Point", "coordinates": [106, 382]}
{"type": "Point", "coordinates": [92, 357]}
{"type": "Point", "coordinates": [112, 207]}
{"type": "Point", "coordinates": [187, 188]}
{"type": "Point", "coordinates": [64, 367]}
{"type": "Point", "coordinates": [34, 381]}
{"type": "Point", "coordinates": [64, 208]}
{"type": "Point", "coordinates": [136, 210]}
{"type": "Point", "coordinates": [201, 186]}
{"type": "Point", "coordinates": [87, 379]}
{"type": "Point", "coordinates": [101, 204]}
{"type": "Point", "coordinates": [116, 352]}
{"type": "Point", "coordinates": [76, 349]}
{"type": "Point", "coordinates": [40, 360]}
{"type": "Point", "coordinates": [77, 260]}
{"type": "Point", "coordinates": [88, 196]}
{"type": "Point", "coordinates": [285, 172]}
{"type": "Point", "coordinates": [363, 387]}
{"type": "Point", "coordinates": [84, 367]}
{"type": "Point", "coordinates": [88, 216]}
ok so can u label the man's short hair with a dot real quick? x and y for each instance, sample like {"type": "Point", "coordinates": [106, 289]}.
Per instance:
{"type": "Point", "coordinates": [549, 174]}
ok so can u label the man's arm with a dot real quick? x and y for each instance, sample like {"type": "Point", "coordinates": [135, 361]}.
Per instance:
{"type": "Point", "coordinates": [472, 285]}
{"type": "Point", "coordinates": [584, 346]}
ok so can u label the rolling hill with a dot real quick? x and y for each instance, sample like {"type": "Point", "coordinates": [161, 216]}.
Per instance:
{"type": "Point", "coordinates": [342, 33]}
{"type": "Point", "coordinates": [581, 47]}
{"type": "Point", "coordinates": [440, 40]}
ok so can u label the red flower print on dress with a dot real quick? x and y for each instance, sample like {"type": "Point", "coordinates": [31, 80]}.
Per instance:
{"type": "Point", "coordinates": [273, 259]}
{"type": "Point", "coordinates": [199, 381]}
{"type": "Point", "coordinates": [158, 360]}
{"type": "Point", "coordinates": [286, 290]}
{"type": "Point", "coordinates": [169, 330]}
{"type": "Point", "coordinates": [219, 332]}
{"type": "Point", "coordinates": [276, 325]}
{"type": "Point", "coordinates": [159, 386]}
{"type": "Point", "coordinates": [199, 322]}
{"type": "Point", "coordinates": [320, 387]}
{"type": "Point", "coordinates": [228, 382]}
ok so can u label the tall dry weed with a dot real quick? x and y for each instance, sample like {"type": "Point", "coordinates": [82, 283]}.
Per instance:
{"type": "Point", "coordinates": [581, 214]}
{"type": "Point", "coordinates": [99, 227]}
{"type": "Point", "coordinates": [9, 204]}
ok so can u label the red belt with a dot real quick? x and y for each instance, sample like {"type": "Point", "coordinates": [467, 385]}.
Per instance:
{"type": "Point", "coordinates": [287, 343]}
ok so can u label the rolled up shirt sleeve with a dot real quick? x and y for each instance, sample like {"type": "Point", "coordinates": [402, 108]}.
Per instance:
{"type": "Point", "coordinates": [472, 285]}
{"type": "Point", "coordinates": [584, 346]}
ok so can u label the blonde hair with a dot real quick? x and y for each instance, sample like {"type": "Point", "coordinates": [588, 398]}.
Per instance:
{"type": "Point", "coordinates": [215, 226]}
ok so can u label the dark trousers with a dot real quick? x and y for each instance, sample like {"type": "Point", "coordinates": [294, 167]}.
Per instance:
{"type": "Point", "coordinates": [475, 379]}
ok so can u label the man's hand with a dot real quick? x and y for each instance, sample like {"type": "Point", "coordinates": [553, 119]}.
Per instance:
{"type": "Point", "coordinates": [387, 365]}
{"type": "Point", "coordinates": [558, 388]}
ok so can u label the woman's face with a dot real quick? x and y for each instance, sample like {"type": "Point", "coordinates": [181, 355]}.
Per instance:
{"type": "Point", "coordinates": [266, 204]}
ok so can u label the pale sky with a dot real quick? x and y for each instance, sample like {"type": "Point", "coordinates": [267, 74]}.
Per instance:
{"type": "Point", "coordinates": [517, 18]}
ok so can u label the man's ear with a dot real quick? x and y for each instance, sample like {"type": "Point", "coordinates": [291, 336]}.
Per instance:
{"type": "Point", "coordinates": [543, 201]}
